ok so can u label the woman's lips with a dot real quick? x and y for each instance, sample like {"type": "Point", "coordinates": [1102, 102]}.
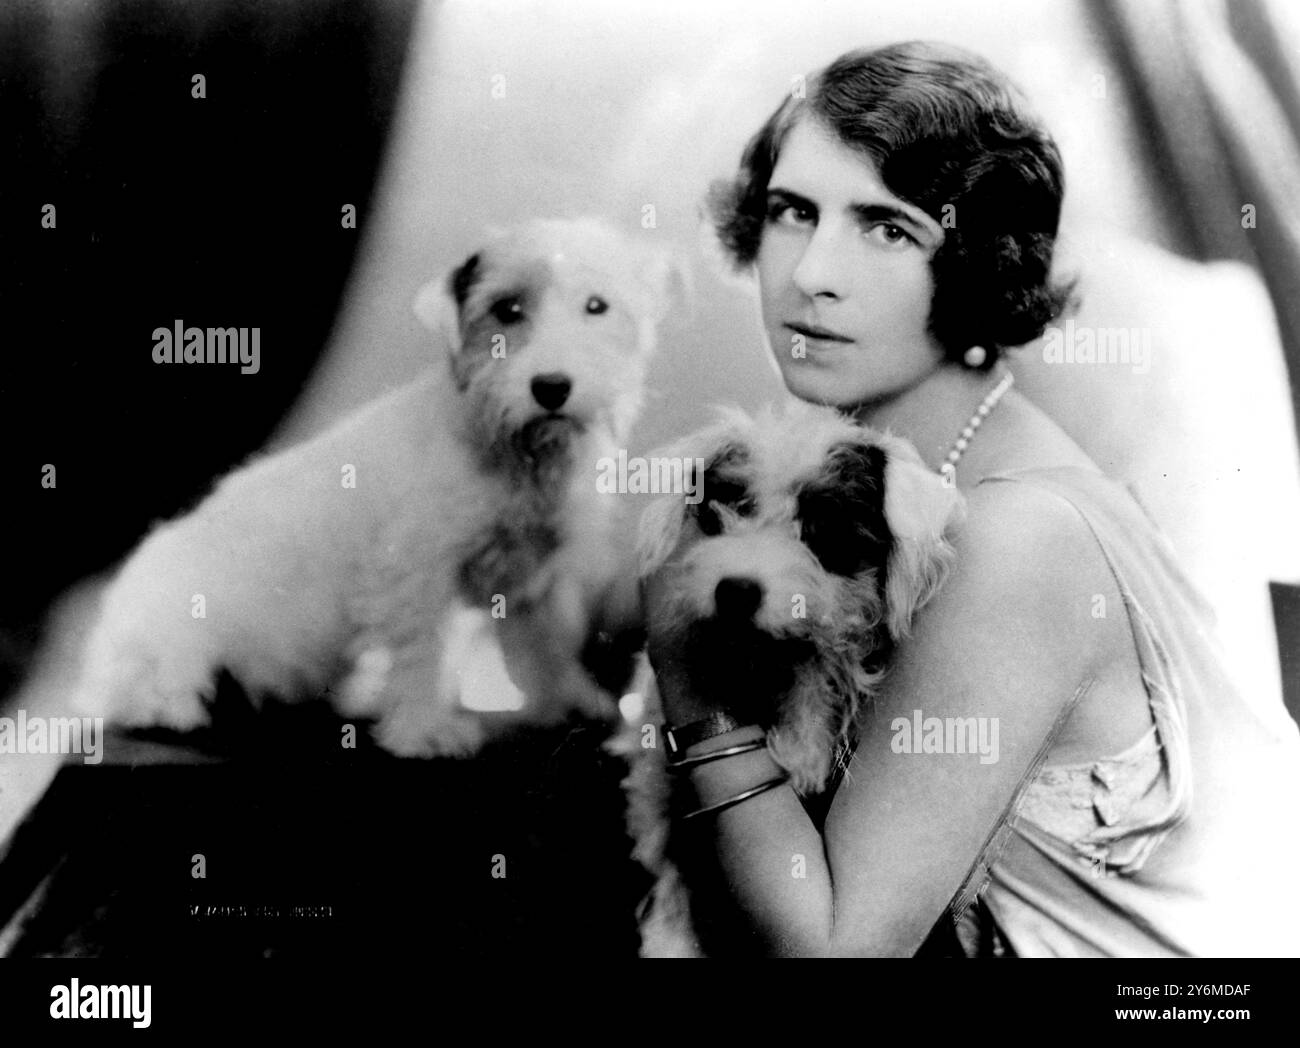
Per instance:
{"type": "Point", "coordinates": [819, 338]}
{"type": "Point", "coordinates": [818, 334]}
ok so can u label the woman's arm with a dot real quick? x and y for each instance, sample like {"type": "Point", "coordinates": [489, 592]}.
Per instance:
{"type": "Point", "coordinates": [1007, 642]}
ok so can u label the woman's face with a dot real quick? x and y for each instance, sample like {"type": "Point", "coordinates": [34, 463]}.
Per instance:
{"type": "Point", "coordinates": [844, 275]}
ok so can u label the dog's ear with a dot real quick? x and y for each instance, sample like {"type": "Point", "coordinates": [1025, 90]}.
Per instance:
{"type": "Point", "coordinates": [438, 304]}
{"type": "Point", "coordinates": [660, 526]}
{"type": "Point", "coordinates": [920, 507]}
{"type": "Point", "coordinates": [658, 531]}
{"type": "Point", "coordinates": [669, 279]}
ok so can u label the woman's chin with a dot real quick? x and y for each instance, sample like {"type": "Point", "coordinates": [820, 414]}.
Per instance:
{"type": "Point", "coordinates": [818, 386]}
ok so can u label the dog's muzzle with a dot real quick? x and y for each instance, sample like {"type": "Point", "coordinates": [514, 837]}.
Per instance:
{"type": "Point", "coordinates": [733, 663]}
{"type": "Point", "coordinates": [548, 436]}
{"type": "Point", "coordinates": [551, 390]}
{"type": "Point", "coordinates": [737, 599]}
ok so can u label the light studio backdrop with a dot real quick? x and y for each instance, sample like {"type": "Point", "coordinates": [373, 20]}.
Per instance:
{"type": "Point", "coordinates": [129, 201]}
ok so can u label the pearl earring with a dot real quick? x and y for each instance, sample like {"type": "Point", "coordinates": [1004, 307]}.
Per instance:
{"type": "Point", "coordinates": [975, 356]}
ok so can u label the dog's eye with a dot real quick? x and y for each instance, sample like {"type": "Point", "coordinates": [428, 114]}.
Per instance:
{"type": "Point", "coordinates": [842, 519]}
{"type": "Point", "coordinates": [845, 539]}
{"type": "Point", "coordinates": [836, 544]}
{"type": "Point", "coordinates": [708, 520]}
{"type": "Point", "coordinates": [721, 493]}
{"type": "Point", "coordinates": [596, 305]}
{"type": "Point", "coordinates": [507, 310]}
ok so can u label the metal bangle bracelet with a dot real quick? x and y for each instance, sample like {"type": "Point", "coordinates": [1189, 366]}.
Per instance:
{"type": "Point", "coordinates": [717, 755]}
{"type": "Point", "coordinates": [762, 787]}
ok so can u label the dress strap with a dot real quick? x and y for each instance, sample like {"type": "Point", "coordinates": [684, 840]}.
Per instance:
{"type": "Point", "coordinates": [978, 876]}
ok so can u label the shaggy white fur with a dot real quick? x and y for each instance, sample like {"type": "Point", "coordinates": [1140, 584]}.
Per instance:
{"type": "Point", "coordinates": [338, 564]}
{"type": "Point", "coordinates": [812, 509]}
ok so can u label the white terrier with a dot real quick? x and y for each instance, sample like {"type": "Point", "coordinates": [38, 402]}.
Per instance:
{"type": "Point", "coordinates": [338, 564]}
{"type": "Point", "coordinates": [813, 545]}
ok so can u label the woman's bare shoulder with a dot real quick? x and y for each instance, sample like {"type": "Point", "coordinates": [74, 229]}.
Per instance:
{"type": "Point", "coordinates": [1024, 535]}
{"type": "Point", "coordinates": [1021, 594]}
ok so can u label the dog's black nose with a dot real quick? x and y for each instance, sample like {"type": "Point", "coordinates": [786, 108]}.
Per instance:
{"type": "Point", "coordinates": [551, 390]}
{"type": "Point", "coordinates": [737, 598]}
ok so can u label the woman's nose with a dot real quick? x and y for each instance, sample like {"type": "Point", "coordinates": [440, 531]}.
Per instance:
{"type": "Point", "coordinates": [821, 271]}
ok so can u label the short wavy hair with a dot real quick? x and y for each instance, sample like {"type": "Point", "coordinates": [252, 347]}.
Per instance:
{"type": "Point", "coordinates": [942, 127]}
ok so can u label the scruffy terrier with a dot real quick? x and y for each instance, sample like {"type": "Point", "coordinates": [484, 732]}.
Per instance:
{"type": "Point", "coordinates": [336, 566]}
{"type": "Point", "coordinates": [812, 544]}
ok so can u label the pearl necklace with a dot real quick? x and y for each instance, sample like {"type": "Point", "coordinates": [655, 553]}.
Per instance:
{"type": "Point", "coordinates": [949, 469]}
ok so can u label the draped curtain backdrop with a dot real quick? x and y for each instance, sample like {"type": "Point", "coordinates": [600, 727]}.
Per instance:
{"type": "Point", "coordinates": [1217, 87]}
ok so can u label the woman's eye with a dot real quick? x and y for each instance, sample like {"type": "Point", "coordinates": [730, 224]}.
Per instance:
{"type": "Point", "coordinates": [596, 305]}
{"type": "Point", "coordinates": [507, 311]}
{"type": "Point", "coordinates": [891, 234]}
{"type": "Point", "coordinates": [786, 214]}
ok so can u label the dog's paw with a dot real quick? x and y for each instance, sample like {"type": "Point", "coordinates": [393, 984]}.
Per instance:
{"type": "Point", "coordinates": [577, 691]}
{"type": "Point", "coordinates": [136, 690]}
{"type": "Point", "coordinates": [409, 730]}
{"type": "Point", "coordinates": [181, 712]}
{"type": "Point", "coordinates": [360, 692]}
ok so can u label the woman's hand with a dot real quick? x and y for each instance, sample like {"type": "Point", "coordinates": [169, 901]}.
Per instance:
{"type": "Point", "coordinates": [665, 637]}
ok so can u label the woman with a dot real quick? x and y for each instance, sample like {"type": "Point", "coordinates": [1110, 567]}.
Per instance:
{"type": "Point", "coordinates": [900, 220]}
